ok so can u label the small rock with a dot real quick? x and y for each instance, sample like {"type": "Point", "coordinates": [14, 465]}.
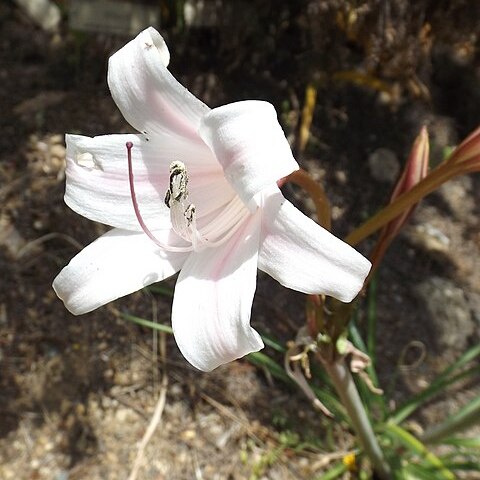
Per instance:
{"type": "Point", "coordinates": [57, 151]}
{"type": "Point", "coordinates": [384, 165]}
{"type": "Point", "coordinates": [340, 177]}
{"type": "Point", "coordinates": [11, 239]}
{"type": "Point", "coordinates": [188, 435]}
{"type": "Point", "coordinates": [44, 13]}
{"type": "Point", "coordinates": [123, 415]}
{"type": "Point", "coordinates": [443, 135]}
{"type": "Point", "coordinates": [457, 193]}
{"type": "Point", "coordinates": [430, 238]}
{"type": "Point", "coordinates": [449, 312]}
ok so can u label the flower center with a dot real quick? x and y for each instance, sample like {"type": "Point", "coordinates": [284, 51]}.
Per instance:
{"type": "Point", "coordinates": [183, 214]}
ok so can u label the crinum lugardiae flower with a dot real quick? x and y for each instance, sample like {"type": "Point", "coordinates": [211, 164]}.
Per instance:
{"type": "Point", "coordinates": [201, 198]}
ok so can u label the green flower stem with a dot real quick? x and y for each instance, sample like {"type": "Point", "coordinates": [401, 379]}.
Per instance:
{"type": "Point", "coordinates": [347, 390]}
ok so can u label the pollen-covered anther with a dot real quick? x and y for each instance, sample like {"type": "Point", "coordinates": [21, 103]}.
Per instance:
{"type": "Point", "coordinates": [190, 214]}
{"type": "Point", "coordinates": [182, 215]}
{"type": "Point", "coordinates": [177, 189]}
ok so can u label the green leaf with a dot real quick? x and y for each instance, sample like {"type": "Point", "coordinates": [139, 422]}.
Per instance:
{"type": "Point", "coordinates": [372, 320]}
{"type": "Point", "coordinates": [334, 472]}
{"type": "Point", "coordinates": [161, 289]}
{"type": "Point", "coordinates": [445, 379]}
{"type": "Point", "coordinates": [418, 448]}
{"type": "Point", "coordinates": [146, 323]}
{"type": "Point", "coordinates": [277, 371]}
{"type": "Point", "coordinates": [414, 471]}
{"type": "Point", "coordinates": [259, 359]}
{"type": "Point", "coordinates": [463, 466]}
{"type": "Point", "coordinates": [272, 343]}
{"type": "Point", "coordinates": [464, 418]}
{"type": "Point", "coordinates": [473, 443]}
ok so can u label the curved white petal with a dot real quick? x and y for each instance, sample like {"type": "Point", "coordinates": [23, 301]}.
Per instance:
{"type": "Point", "coordinates": [116, 264]}
{"type": "Point", "coordinates": [97, 185]}
{"type": "Point", "coordinates": [147, 94]}
{"type": "Point", "coordinates": [213, 299]}
{"type": "Point", "coordinates": [250, 145]}
{"type": "Point", "coordinates": [303, 256]}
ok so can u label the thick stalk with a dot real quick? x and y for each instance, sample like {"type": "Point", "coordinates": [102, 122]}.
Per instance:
{"type": "Point", "coordinates": [347, 390]}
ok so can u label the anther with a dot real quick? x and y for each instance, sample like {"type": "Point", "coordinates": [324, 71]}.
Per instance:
{"type": "Point", "coordinates": [190, 214]}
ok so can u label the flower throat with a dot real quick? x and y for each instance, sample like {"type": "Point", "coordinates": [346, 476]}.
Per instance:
{"type": "Point", "coordinates": [183, 214]}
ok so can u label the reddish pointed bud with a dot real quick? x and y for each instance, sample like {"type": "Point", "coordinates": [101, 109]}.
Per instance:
{"type": "Point", "coordinates": [467, 154]}
{"type": "Point", "coordinates": [415, 170]}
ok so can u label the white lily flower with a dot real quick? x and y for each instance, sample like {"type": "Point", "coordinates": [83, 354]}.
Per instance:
{"type": "Point", "coordinates": [225, 216]}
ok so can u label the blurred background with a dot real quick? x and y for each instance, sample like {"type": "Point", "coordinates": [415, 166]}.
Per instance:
{"type": "Point", "coordinates": [76, 394]}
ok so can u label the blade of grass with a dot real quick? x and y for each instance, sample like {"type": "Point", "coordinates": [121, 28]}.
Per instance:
{"type": "Point", "coordinates": [372, 319]}
{"type": "Point", "coordinates": [334, 472]}
{"type": "Point", "coordinates": [414, 471]}
{"type": "Point", "coordinates": [438, 385]}
{"type": "Point", "coordinates": [272, 343]}
{"type": "Point", "coordinates": [146, 323]}
{"type": "Point", "coordinates": [418, 448]}
{"type": "Point", "coordinates": [428, 394]}
{"type": "Point", "coordinates": [467, 357]}
{"type": "Point", "coordinates": [463, 466]}
{"type": "Point", "coordinates": [467, 416]}
{"type": "Point", "coordinates": [460, 454]}
{"type": "Point", "coordinates": [161, 289]}
{"type": "Point", "coordinates": [473, 443]}
{"type": "Point", "coordinates": [165, 328]}
{"type": "Point", "coordinates": [259, 359]}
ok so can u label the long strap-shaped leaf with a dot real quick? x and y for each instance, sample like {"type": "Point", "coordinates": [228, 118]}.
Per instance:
{"type": "Point", "coordinates": [445, 379]}
{"type": "Point", "coordinates": [418, 448]}
{"type": "Point", "coordinates": [467, 416]}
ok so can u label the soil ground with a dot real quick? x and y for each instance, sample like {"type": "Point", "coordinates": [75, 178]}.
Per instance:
{"type": "Point", "coordinates": [76, 394]}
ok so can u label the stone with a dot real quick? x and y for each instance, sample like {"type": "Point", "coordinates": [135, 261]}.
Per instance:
{"type": "Point", "coordinates": [45, 13]}
{"type": "Point", "coordinates": [430, 238]}
{"type": "Point", "coordinates": [384, 165]}
{"type": "Point", "coordinates": [450, 312]}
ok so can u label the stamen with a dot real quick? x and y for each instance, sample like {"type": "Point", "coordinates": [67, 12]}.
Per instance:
{"type": "Point", "coordinates": [183, 215]}
{"type": "Point", "coordinates": [136, 208]}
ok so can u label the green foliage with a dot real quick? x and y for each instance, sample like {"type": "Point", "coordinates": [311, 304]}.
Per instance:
{"type": "Point", "coordinates": [410, 457]}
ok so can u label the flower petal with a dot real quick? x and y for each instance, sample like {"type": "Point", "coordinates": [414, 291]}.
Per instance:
{"type": "Point", "coordinates": [213, 299]}
{"type": "Point", "coordinates": [116, 264]}
{"type": "Point", "coordinates": [98, 187]}
{"type": "Point", "coordinates": [250, 145]}
{"type": "Point", "coordinates": [303, 256]}
{"type": "Point", "coordinates": [147, 94]}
